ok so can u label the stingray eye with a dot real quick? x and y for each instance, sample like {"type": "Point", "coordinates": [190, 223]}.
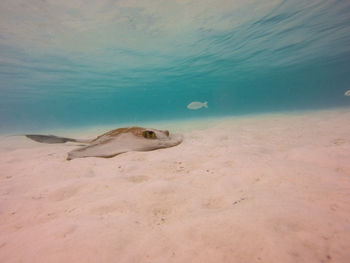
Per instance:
{"type": "Point", "coordinates": [167, 133]}
{"type": "Point", "coordinates": [149, 135]}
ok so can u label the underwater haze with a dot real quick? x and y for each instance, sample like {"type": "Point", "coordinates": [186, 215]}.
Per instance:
{"type": "Point", "coordinates": [82, 62]}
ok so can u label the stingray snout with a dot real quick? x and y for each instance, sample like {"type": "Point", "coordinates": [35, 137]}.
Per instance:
{"type": "Point", "coordinates": [173, 140]}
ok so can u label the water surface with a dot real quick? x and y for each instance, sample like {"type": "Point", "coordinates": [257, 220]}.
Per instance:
{"type": "Point", "coordinates": [77, 63]}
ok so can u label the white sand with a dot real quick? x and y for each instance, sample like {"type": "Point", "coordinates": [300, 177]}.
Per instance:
{"type": "Point", "coordinates": [269, 188]}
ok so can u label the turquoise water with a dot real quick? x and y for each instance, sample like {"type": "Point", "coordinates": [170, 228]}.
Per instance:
{"type": "Point", "coordinates": [78, 63]}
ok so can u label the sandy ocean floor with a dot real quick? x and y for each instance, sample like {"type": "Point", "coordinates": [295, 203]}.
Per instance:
{"type": "Point", "coordinates": [267, 188]}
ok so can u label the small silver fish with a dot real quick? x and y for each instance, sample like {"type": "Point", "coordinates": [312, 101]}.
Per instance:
{"type": "Point", "coordinates": [347, 93]}
{"type": "Point", "coordinates": [196, 105]}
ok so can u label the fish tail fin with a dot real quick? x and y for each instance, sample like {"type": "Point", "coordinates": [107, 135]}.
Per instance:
{"type": "Point", "coordinates": [205, 104]}
{"type": "Point", "coordinates": [49, 138]}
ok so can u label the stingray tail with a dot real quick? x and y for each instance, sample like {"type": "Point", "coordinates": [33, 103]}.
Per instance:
{"type": "Point", "coordinates": [52, 139]}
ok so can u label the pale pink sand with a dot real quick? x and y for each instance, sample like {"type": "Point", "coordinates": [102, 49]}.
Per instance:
{"type": "Point", "coordinates": [268, 188]}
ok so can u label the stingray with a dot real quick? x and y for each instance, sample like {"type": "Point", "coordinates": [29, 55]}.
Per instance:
{"type": "Point", "coordinates": [115, 142]}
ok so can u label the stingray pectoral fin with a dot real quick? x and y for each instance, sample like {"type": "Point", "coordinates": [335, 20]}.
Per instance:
{"type": "Point", "coordinates": [122, 143]}
{"type": "Point", "coordinates": [107, 149]}
{"type": "Point", "coordinates": [49, 138]}
{"type": "Point", "coordinates": [73, 155]}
